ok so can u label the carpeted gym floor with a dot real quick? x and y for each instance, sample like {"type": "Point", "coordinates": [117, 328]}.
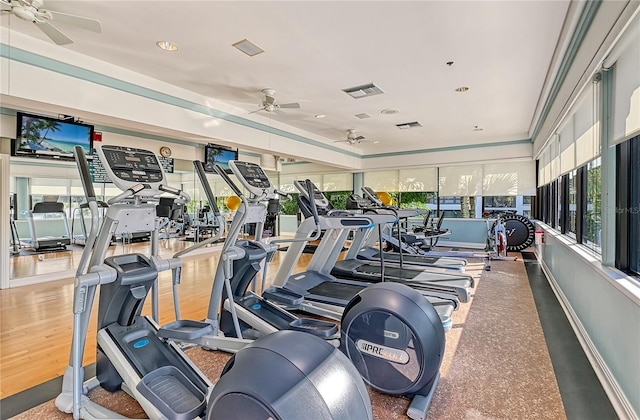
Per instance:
{"type": "Point", "coordinates": [497, 363]}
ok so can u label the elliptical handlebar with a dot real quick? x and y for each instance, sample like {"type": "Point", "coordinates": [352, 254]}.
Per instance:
{"type": "Point", "coordinates": [128, 193]}
{"type": "Point", "coordinates": [202, 175]}
{"type": "Point", "coordinates": [183, 196]}
{"type": "Point", "coordinates": [85, 173]}
{"type": "Point", "coordinates": [287, 197]}
{"type": "Point", "coordinates": [220, 170]}
{"type": "Point", "coordinates": [314, 208]}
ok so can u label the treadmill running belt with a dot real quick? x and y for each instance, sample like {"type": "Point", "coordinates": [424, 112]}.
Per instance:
{"type": "Point", "coordinates": [335, 290]}
{"type": "Point", "coordinates": [396, 273]}
{"type": "Point", "coordinates": [408, 258]}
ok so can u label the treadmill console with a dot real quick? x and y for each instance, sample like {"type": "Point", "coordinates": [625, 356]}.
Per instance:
{"type": "Point", "coordinates": [252, 177]}
{"type": "Point", "coordinates": [322, 202]}
{"type": "Point", "coordinates": [372, 196]}
{"type": "Point", "coordinates": [128, 166]}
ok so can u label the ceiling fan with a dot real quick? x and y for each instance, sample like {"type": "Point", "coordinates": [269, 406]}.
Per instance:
{"type": "Point", "coordinates": [354, 138]}
{"type": "Point", "coordinates": [269, 103]}
{"type": "Point", "coordinates": [32, 11]}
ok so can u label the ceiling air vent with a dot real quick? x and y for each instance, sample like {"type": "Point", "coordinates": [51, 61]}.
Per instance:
{"type": "Point", "coordinates": [406, 126]}
{"type": "Point", "coordinates": [363, 91]}
{"type": "Point", "coordinates": [363, 116]}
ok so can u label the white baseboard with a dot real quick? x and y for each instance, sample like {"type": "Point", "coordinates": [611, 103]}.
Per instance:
{"type": "Point", "coordinates": [618, 399]}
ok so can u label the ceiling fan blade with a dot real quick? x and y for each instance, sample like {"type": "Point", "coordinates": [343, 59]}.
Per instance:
{"type": "Point", "coordinates": [54, 33]}
{"type": "Point", "coordinates": [257, 110]}
{"type": "Point", "coordinates": [89, 24]}
{"type": "Point", "coordinates": [5, 6]}
{"type": "Point", "coordinates": [359, 138]}
{"type": "Point", "coordinates": [291, 105]}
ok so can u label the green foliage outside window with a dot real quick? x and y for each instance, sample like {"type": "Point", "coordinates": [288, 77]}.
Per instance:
{"type": "Point", "coordinates": [415, 199]}
{"type": "Point", "coordinates": [593, 216]}
{"type": "Point", "coordinates": [290, 208]}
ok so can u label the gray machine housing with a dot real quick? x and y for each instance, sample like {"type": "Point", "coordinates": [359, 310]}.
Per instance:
{"type": "Point", "coordinates": [306, 385]}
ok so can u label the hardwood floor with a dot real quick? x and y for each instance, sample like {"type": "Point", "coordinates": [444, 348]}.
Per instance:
{"type": "Point", "coordinates": [36, 321]}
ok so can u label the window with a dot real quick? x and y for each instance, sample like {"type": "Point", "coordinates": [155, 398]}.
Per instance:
{"type": "Point", "coordinates": [627, 210]}
{"type": "Point", "coordinates": [573, 203]}
{"type": "Point", "coordinates": [592, 232]}
{"type": "Point", "coordinates": [418, 199]}
{"type": "Point", "coordinates": [634, 206]}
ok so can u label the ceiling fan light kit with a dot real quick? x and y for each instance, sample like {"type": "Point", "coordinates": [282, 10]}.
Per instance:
{"type": "Point", "coordinates": [354, 138]}
{"type": "Point", "coordinates": [270, 104]}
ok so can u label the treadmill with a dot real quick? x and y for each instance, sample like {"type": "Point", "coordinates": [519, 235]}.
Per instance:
{"type": "Point", "coordinates": [434, 281]}
{"type": "Point", "coordinates": [407, 254]}
{"type": "Point", "coordinates": [362, 246]}
{"type": "Point", "coordinates": [39, 242]}
{"type": "Point", "coordinates": [323, 293]}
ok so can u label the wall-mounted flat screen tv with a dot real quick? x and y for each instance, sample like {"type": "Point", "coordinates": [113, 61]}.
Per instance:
{"type": "Point", "coordinates": [221, 155]}
{"type": "Point", "coordinates": [50, 138]}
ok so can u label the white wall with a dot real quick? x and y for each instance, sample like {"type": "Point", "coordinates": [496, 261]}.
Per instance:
{"type": "Point", "coordinates": [604, 307]}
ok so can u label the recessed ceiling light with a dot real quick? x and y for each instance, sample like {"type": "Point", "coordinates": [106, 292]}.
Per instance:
{"type": "Point", "coordinates": [167, 45]}
{"type": "Point", "coordinates": [248, 47]}
{"type": "Point", "coordinates": [389, 111]}
{"type": "Point", "coordinates": [462, 89]}
{"type": "Point", "coordinates": [375, 142]}
{"type": "Point", "coordinates": [320, 116]}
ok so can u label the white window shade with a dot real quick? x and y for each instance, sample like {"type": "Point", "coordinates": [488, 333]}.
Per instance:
{"type": "Point", "coordinates": [554, 168]}
{"type": "Point", "coordinates": [626, 91]}
{"type": "Point", "coordinates": [423, 179]}
{"type": "Point", "coordinates": [48, 190]}
{"type": "Point", "coordinates": [514, 178]}
{"type": "Point", "coordinates": [77, 191]}
{"type": "Point", "coordinates": [567, 147]}
{"type": "Point", "coordinates": [586, 127]}
{"type": "Point", "coordinates": [286, 184]}
{"type": "Point", "coordinates": [221, 189]}
{"type": "Point", "coordinates": [111, 192]}
{"type": "Point", "coordinates": [543, 165]}
{"type": "Point", "coordinates": [49, 182]}
{"type": "Point", "coordinates": [460, 181]}
{"type": "Point", "coordinates": [316, 179]}
{"type": "Point", "coordinates": [386, 181]}
{"type": "Point", "coordinates": [337, 182]}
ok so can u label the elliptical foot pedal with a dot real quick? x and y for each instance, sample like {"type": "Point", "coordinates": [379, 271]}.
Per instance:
{"type": "Point", "coordinates": [185, 330]}
{"type": "Point", "coordinates": [283, 296]}
{"type": "Point", "coordinates": [319, 328]}
{"type": "Point", "coordinates": [168, 389]}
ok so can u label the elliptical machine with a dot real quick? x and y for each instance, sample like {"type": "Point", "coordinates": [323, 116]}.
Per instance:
{"type": "Point", "coordinates": [155, 371]}
{"type": "Point", "coordinates": [390, 332]}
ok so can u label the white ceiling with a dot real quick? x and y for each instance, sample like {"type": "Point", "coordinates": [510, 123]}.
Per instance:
{"type": "Point", "coordinates": [501, 50]}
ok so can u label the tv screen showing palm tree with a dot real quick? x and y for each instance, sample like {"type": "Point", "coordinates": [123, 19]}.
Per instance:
{"type": "Point", "coordinates": [49, 137]}
{"type": "Point", "coordinates": [218, 155]}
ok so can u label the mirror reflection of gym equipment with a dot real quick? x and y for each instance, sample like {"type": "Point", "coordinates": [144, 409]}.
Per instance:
{"type": "Point", "coordinates": [78, 221]}
{"type": "Point", "coordinates": [48, 227]}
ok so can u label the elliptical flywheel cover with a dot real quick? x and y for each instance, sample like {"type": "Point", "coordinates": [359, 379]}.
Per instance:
{"type": "Point", "coordinates": [289, 375]}
{"type": "Point", "coordinates": [394, 337]}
